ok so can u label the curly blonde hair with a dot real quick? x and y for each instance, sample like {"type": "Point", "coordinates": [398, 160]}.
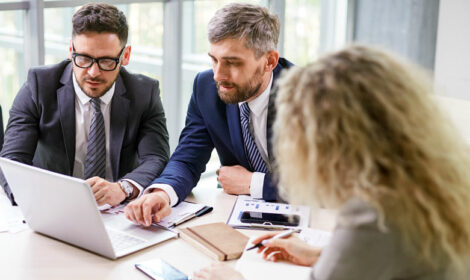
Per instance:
{"type": "Point", "coordinates": [361, 123]}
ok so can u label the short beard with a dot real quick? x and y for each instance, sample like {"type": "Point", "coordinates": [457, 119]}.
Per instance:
{"type": "Point", "coordinates": [96, 95]}
{"type": "Point", "coordinates": [91, 95]}
{"type": "Point", "coordinates": [242, 93]}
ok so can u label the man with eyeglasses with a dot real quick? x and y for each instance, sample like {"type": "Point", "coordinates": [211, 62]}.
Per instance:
{"type": "Point", "coordinates": [90, 118]}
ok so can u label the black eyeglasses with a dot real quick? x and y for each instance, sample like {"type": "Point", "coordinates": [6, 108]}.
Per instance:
{"type": "Point", "coordinates": [104, 63]}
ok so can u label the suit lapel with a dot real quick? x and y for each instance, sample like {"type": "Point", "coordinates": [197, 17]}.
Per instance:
{"type": "Point", "coordinates": [233, 120]}
{"type": "Point", "coordinates": [66, 104]}
{"type": "Point", "coordinates": [269, 124]}
{"type": "Point", "coordinates": [272, 109]}
{"type": "Point", "coordinates": [119, 114]}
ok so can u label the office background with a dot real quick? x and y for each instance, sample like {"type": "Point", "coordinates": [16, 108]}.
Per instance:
{"type": "Point", "coordinates": [169, 40]}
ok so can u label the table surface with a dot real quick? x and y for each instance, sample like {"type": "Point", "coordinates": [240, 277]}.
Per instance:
{"type": "Point", "coordinates": [29, 255]}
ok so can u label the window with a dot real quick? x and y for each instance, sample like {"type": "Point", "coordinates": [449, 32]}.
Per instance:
{"type": "Point", "coordinates": [145, 36]}
{"type": "Point", "coordinates": [302, 31]}
{"type": "Point", "coordinates": [12, 72]}
{"type": "Point", "coordinates": [299, 42]}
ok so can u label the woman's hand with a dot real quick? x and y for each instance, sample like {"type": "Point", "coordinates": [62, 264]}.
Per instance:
{"type": "Point", "coordinates": [291, 249]}
{"type": "Point", "coordinates": [217, 271]}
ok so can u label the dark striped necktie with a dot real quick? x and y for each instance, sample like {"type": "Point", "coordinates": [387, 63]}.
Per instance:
{"type": "Point", "coordinates": [256, 161]}
{"type": "Point", "coordinates": [95, 164]}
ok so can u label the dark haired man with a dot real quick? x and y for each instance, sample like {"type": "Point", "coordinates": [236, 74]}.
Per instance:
{"type": "Point", "coordinates": [231, 110]}
{"type": "Point", "coordinates": [88, 117]}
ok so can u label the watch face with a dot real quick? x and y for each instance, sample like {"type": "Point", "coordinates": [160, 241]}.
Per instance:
{"type": "Point", "coordinates": [127, 188]}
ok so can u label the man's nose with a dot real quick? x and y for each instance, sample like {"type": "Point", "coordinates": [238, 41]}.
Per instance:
{"type": "Point", "coordinates": [220, 73]}
{"type": "Point", "coordinates": [94, 70]}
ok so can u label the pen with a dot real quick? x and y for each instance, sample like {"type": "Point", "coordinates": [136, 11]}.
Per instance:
{"type": "Point", "coordinates": [184, 219]}
{"type": "Point", "coordinates": [204, 210]}
{"type": "Point", "coordinates": [166, 228]}
{"type": "Point", "coordinates": [280, 235]}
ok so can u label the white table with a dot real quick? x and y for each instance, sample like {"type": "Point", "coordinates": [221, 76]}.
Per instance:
{"type": "Point", "coordinates": [29, 255]}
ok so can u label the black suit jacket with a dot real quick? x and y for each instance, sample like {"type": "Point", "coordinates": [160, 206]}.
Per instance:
{"type": "Point", "coordinates": [41, 128]}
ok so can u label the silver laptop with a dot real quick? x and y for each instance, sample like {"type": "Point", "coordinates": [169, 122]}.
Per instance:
{"type": "Point", "coordinates": [64, 208]}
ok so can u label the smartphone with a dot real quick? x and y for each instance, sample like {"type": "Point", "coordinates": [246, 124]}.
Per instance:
{"type": "Point", "coordinates": [270, 218]}
{"type": "Point", "coordinates": [158, 269]}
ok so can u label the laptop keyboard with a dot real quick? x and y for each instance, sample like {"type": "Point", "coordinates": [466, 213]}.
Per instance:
{"type": "Point", "coordinates": [122, 241]}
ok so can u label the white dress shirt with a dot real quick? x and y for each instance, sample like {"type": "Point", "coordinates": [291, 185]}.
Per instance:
{"type": "Point", "coordinates": [258, 126]}
{"type": "Point", "coordinates": [83, 115]}
{"type": "Point", "coordinates": [258, 122]}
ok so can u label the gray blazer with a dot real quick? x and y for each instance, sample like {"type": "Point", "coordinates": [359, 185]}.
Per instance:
{"type": "Point", "coordinates": [41, 128]}
{"type": "Point", "coordinates": [359, 250]}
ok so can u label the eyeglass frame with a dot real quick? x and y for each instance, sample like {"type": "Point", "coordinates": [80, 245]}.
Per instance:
{"type": "Point", "coordinates": [97, 60]}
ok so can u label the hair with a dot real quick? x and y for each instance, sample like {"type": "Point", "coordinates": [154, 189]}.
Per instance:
{"type": "Point", "coordinates": [361, 123]}
{"type": "Point", "coordinates": [101, 18]}
{"type": "Point", "coordinates": [255, 24]}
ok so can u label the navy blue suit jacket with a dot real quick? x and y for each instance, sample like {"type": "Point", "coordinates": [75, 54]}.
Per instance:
{"type": "Point", "coordinates": [1, 128]}
{"type": "Point", "coordinates": [41, 128]}
{"type": "Point", "coordinates": [210, 123]}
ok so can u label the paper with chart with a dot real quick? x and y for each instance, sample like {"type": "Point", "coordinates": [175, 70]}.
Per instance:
{"type": "Point", "coordinates": [246, 203]}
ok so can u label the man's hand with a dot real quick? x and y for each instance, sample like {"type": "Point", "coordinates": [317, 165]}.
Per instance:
{"type": "Point", "coordinates": [106, 192]}
{"type": "Point", "coordinates": [150, 207]}
{"type": "Point", "coordinates": [234, 179]}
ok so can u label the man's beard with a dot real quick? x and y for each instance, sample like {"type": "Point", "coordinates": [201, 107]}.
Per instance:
{"type": "Point", "coordinates": [241, 93]}
{"type": "Point", "coordinates": [93, 94]}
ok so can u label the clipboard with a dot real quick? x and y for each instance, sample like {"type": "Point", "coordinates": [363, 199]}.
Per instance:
{"type": "Point", "coordinates": [183, 212]}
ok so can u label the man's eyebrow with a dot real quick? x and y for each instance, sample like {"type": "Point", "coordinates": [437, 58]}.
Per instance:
{"type": "Point", "coordinates": [227, 57]}
{"type": "Point", "coordinates": [232, 58]}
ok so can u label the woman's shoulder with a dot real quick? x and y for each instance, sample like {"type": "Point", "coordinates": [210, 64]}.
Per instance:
{"type": "Point", "coordinates": [357, 213]}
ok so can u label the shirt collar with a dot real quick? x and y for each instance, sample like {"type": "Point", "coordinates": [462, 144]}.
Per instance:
{"type": "Point", "coordinates": [260, 103]}
{"type": "Point", "coordinates": [105, 98]}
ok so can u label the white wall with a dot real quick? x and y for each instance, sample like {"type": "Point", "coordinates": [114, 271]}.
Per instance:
{"type": "Point", "coordinates": [452, 65]}
{"type": "Point", "coordinates": [458, 111]}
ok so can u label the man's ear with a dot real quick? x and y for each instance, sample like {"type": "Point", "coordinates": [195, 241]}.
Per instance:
{"type": "Point", "coordinates": [272, 57]}
{"type": "Point", "coordinates": [126, 56]}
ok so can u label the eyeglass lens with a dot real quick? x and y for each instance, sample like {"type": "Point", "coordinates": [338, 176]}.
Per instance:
{"type": "Point", "coordinates": [104, 63]}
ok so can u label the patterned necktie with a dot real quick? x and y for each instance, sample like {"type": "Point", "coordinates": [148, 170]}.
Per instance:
{"type": "Point", "coordinates": [95, 164]}
{"type": "Point", "coordinates": [256, 161]}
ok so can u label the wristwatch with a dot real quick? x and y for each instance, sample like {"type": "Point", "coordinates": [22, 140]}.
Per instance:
{"type": "Point", "coordinates": [127, 188]}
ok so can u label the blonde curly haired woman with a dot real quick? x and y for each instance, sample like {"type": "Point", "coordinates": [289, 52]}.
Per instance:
{"type": "Point", "coordinates": [359, 131]}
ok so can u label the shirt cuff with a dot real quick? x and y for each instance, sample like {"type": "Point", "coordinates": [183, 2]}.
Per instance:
{"type": "Point", "coordinates": [137, 185]}
{"type": "Point", "coordinates": [166, 188]}
{"type": "Point", "coordinates": [256, 185]}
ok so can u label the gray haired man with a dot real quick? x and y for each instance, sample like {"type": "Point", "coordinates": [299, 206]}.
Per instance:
{"type": "Point", "coordinates": [230, 110]}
